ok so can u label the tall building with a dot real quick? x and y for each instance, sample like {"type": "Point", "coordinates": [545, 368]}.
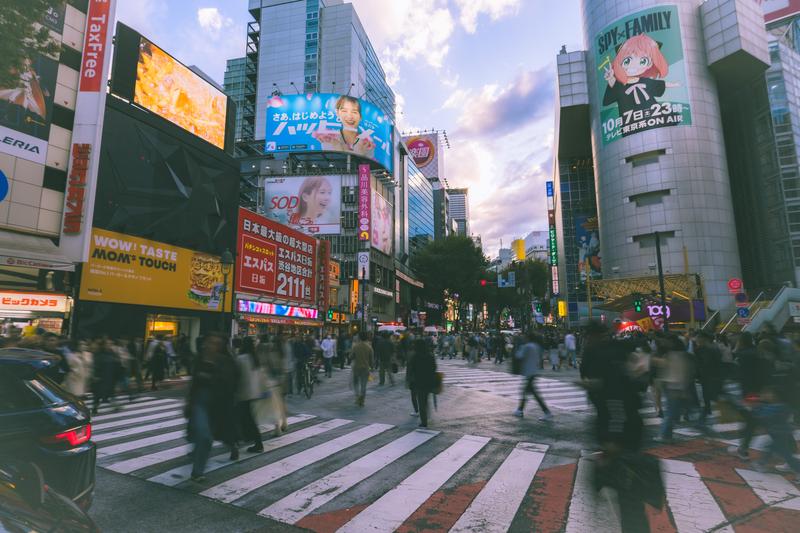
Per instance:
{"type": "Point", "coordinates": [441, 208]}
{"type": "Point", "coordinates": [536, 245]}
{"type": "Point", "coordinates": [421, 224]}
{"type": "Point", "coordinates": [236, 84]}
{"type": "Point", "coordinates": [655, 126]}
{"type": "Point", "coordinates": [459, 210]}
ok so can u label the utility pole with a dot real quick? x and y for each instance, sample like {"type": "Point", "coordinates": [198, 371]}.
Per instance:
{"type": "Point", "coordinates": [661, 283]}
{"type": "Point", "coordinates": [589, 287]}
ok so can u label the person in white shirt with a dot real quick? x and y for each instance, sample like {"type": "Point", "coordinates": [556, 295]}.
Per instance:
{"type": "Point", "coordinates": [571, 344]}
{"type": "Point", "coordinates": [328, 353]}
{"type": "Point", "coordinates": [530, 354]}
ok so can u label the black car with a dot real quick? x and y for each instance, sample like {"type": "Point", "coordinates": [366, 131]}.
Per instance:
{"type": "Point", "coordinates": [45, 425]}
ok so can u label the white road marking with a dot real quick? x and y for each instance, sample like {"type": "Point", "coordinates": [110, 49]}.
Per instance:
{"type": "Point", "coordinates": [589, 511]}
{"type": "Point", "coordinates": [693, 507]}
{"type": "Point", "coordinates": [137, 409]}
{"type": "Point", "coordinates": [394, 507]}
{"type": "Point", "coordinates": [774, 490]}
{"type": "Point", "coordinates": [235, 488]}
{"type": "Point", "coordinates": [97, 428]}
{"type": "Point", "coordinates": [177, 421]}
{"type": "Point", "coordinates": [180, 474]}
{"type": "Point", "coordinates": [106, 451]}
{"type": "Point", "coordinates": [495, 506]}
{"type": "Point", "coordinates": [300, 503]}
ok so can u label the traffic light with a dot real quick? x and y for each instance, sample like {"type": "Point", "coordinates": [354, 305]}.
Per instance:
{"type": "Point", "coordinates": [538, 307]}
{"type": "Point", "coordinates": [483, 283]}
{"type": "Point", "coordinates": [330, 315]}
{"type": "Point", "coordinates": [637, 304]}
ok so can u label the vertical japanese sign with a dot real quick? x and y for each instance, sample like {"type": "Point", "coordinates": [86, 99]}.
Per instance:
{"type": "Point", "coordinates": [641, 76]}
{"type": "Point", "coordinates": [364, 203]}
{"type": "Point", "coordinates": [275, 260]}
{"type": "Point", "coordinates": [324, 275]}
{"type": "Point", "coordinates": [551, 241]}
{"type": "Point", "coordinates": [87, 131]}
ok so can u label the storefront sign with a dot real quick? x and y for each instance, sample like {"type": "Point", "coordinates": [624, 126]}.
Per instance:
{"type": "Point", "coordinates": [33, 301]}
{"type": "Point", "coordinates": [35, 263]}
{"type": "Point", "coordinates": [264, 308]}
{"type": "Point", "coordinates": [353, 296]}
{"type": "Point", "coordinates": [364, 205]}
{"type": "Point", "coordinates": [334, 271]}
{"type": "Point", "coordinates": [76, 188]}
{"type": "Point", "coordinates": [76, 234]}
{"type": "Point", "coordinates": [280, 321]}
{"type": "Point", "coordinates": [383, 292]}
{"type": "Point", "coordinates": [275, 260]}
{"type": "Point", "coordinates": [130, 270]}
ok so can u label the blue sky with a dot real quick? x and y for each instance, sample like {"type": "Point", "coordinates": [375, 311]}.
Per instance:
{"type": "Point", "coordinates": [484, 70]}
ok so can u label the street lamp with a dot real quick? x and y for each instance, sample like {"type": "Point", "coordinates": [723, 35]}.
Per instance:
{"type": "Point", "coordinates": [226, 263]}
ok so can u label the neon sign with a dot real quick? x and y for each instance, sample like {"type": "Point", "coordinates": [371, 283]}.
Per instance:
{"type": "Point", "coordinates": [263, 308]}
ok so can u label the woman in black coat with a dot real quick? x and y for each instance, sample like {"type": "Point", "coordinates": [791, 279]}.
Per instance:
{"type": "Point", "coordinates": [421, 375]}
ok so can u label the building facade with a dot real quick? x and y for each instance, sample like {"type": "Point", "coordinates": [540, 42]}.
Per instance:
{"type": "Point", "coordinates": [536, 246]}
{"type": "Point", "coordinates": [459, 210]}
{"type": "Point", "coordinates": [647, 87]}
{"type": "Point", "coordinates": [236, 84]}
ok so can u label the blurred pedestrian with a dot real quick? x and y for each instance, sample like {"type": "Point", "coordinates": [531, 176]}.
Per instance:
{"type": "Point", "coordinates": [530, 354]}
{"type": "Point", "coordinates": [251, 386]}
{"type": "Point", "coordinates": [79, 370]}
{"type": "Point", "coordinates": [106, 371]}
{"type": "Point", "coordinates": [421, 376]}
{"type": "Point", "coordinates": [272, 362]}
{"type": "Point", "coordinates": [678, 379]}
{"type": "Point", "coordinates": [157, 358]}
{"type": "Point", "coordinates": [385, 356]}
{"type": "Point", "coordinates": [362, 357]}
{"type": "Point", "coordinates": [328, 346]}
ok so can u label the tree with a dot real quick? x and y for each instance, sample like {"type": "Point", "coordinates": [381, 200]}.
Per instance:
{"type": "Point", "coordinates": [453, 265]}
{"type": "Point", "coordinates": [23, 36]}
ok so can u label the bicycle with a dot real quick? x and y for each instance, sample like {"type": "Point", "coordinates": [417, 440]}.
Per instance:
{"type": "Point", "coordinates": [309, 377]}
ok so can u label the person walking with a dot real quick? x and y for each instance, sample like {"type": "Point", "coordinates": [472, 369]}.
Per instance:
{"type": "Point", "coordinates": [571, 344]}
{"type": "Point", "coordinates": [106, 370]}
{"type": "Point", "coordinates": [709, 372]}
{"type": "Point", "coordinates": [248, 392]}
{"type": "Point", "coordinates": [328, 346]}
{"type": "Point", "coordinates": [421, 376]}
{"type": "Point", "coordinates": [157, 360]}
{"type": "Point", "coordinates": [271, 360]}
{"type": "Point", "coordinates": [678, 378]}
{"type": "Point", "coordinates": [385, 356]}
{"type": "Point", "coordinates": [211, 405]}
{"type": "Point", "coordinates": [362, 357]}
{"type": "Point", "coordinates": [530, 355]}
{"type": "Point", "coordinates": [79, 369]}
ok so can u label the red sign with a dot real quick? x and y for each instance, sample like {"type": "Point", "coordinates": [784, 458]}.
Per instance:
{"type": "Point", "coordinates": [735, 285]}
{"type": "Point", "coordinates": [422, 151]}
{"type": "Point", "coordinates": [76, 188]}
{"type": "Point", "coordinates": [275, 260]}
{"type": "Point", "coordinates": [94, 45]}
{"type": "Point", "coordinates": [364, 203]}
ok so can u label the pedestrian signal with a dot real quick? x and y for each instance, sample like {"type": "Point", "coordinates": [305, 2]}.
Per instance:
{"type": "Point", "coordinates": [637, 304]}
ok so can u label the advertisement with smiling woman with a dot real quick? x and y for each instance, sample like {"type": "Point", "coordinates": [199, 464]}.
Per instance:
{"type": "Point", "coordinates": [311, 204]}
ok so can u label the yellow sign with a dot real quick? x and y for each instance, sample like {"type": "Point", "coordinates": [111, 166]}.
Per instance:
{"type": "Point", "coordinates": [130, 270]}
{"type": "Point", "coordinates": [562, 308]}
{"type": "Point", "coordinates": [518, 246]}
{"type": "Point", "coordinates": [353, 296]}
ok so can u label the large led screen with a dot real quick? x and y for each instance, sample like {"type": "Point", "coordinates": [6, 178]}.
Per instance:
{"type": "Point", "coordinates": [310, 204]}
{"type": "Point", "coordinates": [641, 75]}
{"type": "Point", "coordinates": [168, 88]}
{"type": "Point", "coordinates": [328, 122]}
{"type": "Point", "coordinates": [381, 223]}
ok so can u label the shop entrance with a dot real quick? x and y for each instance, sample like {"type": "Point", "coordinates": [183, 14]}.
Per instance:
{"type": "Point", "coordinates": [171, 326]}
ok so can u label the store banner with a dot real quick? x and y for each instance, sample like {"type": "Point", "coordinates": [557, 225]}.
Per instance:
{"type": "Point", "coordinates": [274, 260]}
{"type": "Point", "coordinates": [79, 196]}
{"type": "Point", "coordinates": [641, 74]}
{"type": "Point", "coordinates": [364, 200]}
{"type": "Point", "coordinates": [33, 301]}
{"type": "Point", "coordinates": [264, 308]}
{"type": "Point", "coordinates": [129, 270]}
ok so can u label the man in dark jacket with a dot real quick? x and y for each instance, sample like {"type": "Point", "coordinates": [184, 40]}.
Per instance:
{"type": "Point", "coordinates": [421, 375]}
{"type": "Point", "coordinates": [384, 352]}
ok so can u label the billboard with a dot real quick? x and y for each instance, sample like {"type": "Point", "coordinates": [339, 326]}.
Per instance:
{"type": "Point", "coordinates": [587, 236]}
{"type": "Point", "coordinates": [641, 74]}
{"type": "Point", "coordinates": [168, 88]}
{"type": "Point", "coordinates": [424, 150]}
{"type": "Point", "coordinates": [779, 9]}
{"type": "Point", "coordinates": [26, 109]}
{"type": "Point", "coordinates": [274, 260]}
{"type": "Point", "coordinates": [311, 204]}
{"type": "Point", "coordinates": [381, 223]}
{"type": "Point", "coordinates": [364, 206]}
{"type": "Point", "coordinates": [328, 122]}
{"type": "Point", "coordinates": [129, 270]}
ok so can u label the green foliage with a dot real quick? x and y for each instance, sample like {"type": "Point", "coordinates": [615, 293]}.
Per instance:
{"type": "Point", "coordinates": [21, 37]}
{"type": "Point", "coordinates": [453, 264]}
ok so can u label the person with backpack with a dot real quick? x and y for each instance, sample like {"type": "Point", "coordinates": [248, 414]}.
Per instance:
{"type": "Point", "coordinates": [530, 356]}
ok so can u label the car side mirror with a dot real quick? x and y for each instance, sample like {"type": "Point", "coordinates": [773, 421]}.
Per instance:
{"type": "Point", "coordinates": [26, 478]}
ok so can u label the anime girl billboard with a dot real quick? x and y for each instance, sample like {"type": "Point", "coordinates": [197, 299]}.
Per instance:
{"type": "Point", "coordinates": [640, 74]}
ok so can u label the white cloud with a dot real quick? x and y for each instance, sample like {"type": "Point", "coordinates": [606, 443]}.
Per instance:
{"type": "Point", "coordinates": [495, 9]}
{"type": "Point", "coordinates": [211, 20]}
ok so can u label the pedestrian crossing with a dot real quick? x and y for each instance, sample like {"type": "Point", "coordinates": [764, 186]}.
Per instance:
{"type": "Point", "coordinates": [358, 476]}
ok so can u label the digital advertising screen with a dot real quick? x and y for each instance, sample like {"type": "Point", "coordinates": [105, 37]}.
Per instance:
{"type": "Point", "coordinates": [381, 223]}
{"type": "Point", "coordinates": [328, 122]}
{"type": "Point", "coordinates": [641, 75]}
{"type": "Point", "coordinates": [170, 89]}
{"type": "Point", "coordinates": [587, 235]}
{"type": "Point", "coordinates": [311, 204]}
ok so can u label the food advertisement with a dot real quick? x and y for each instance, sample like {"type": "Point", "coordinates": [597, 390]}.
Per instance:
{"type": "Point", "coordinates": [275, 260]}
{"type": "Point", "coordinates": [328, 122]}
{"type": "Point", "coordinates": [381, 223]}
{"type": "Point", "coordinates": [130, 270]}
{"type": "Point", "coordinates": [310, 204]}
{"type": "Point", "coordinates": [641, 76]}
{"type": "Point", "coordinates": [168, 88]}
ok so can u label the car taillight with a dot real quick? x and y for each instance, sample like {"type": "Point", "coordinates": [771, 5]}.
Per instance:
{"type": "Point", "coordinates": [71, 438]}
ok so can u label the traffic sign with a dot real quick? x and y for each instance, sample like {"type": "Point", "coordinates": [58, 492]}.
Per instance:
{"type": "Point", "coordinates": [735, 285]}
{"type": "Point", "coordinates": [743, 312]}
{"type": "Point", "coordinates": [741, 300]}
{"type": "Point", "coordinates": [363, 265]}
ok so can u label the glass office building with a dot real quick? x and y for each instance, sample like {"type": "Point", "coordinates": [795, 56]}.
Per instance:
{"type": "Point", "coordinates": [420, 209]}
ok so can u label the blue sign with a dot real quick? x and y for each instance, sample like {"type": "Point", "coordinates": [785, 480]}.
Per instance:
{"type": "Point", "coordinates": [743, 312]}
{"type": "Point", "coordinates": [329, 123]}
{"type": "Point", "coordinates": [549, 189]}
{"type": "Point", "coordinates": [3, 186]}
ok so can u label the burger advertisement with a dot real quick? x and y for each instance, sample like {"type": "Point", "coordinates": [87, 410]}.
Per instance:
{"type": "Point", "coordinates": [130, 270]}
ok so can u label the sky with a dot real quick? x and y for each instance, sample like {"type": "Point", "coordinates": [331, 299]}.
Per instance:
{"type": "Point", "coordinates": [483, 70]}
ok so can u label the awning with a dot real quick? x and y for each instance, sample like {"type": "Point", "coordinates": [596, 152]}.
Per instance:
{"type": "Point", "coordinates": [21, 250]}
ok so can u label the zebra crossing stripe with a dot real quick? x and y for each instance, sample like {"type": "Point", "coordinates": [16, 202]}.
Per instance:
{"type": "Point", "coordinates": [178, 475]}
{"type": "Point", "coordinates": [494, 508]}
{"type": "Point", "coordinates": [176, 421]}
{"type": "Point", "coordinates": [587, 510]}
{"type": "Point", "coordinates": [106, 451]}
{"type": "Point", "coordinates": [143, 461]}
{"type": "Point", "coordinates": [235, 488]}
{"type": "Point", "coordinates": [692, 505]}
{"type": "Point", "coordinates": [134, 410]}
{"type": "Point", "coordinates": [130, 406]}
{"type": "Point", "coordinates": [772, 489]}
{"type": "Point", "coordinates": [97, 428]}
{"type": "Point", "coordinates": [300, 503]}
{"type": "Point", "coordinates": [394, 507]}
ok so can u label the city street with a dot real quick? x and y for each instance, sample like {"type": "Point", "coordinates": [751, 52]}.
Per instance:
{"type": "Point", "coordinates": [476, 468]}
